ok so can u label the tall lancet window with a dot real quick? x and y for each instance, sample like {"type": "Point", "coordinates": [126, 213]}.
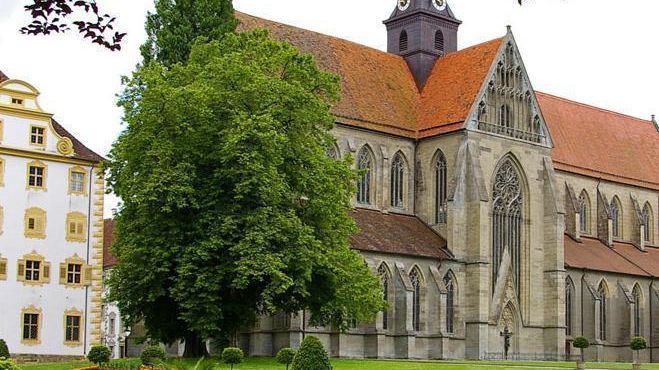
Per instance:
{"type": "Point", "coordinates": [397, 181]}
{"type": "Point", "coordinates": [402, 42]}
{"type": "Point", "coordinates": [439, 40]}
{"type": "Point", "coordinates": [415, 278]}
{"type": "Point", "coordinates": [584, 210]}
{"type": "Point", "coordinates": [602, 293]}
{"type": "Point", "coordinates": [505, 116]}
{"type": "Point", "coordinates": [615, 217]}
{"type": "Point", "coordinates": [384, 279]}
{"type": "Point", "coordinates": [450, 298]}
{"type": "Point", "coordinates": [440, 188]}
{"type": "Point", "coordinates": [637, 310]}
{"type": "Point", "coordinates": [568, 306]}
{"type": "Point", "coordinates": [648, 222]}
{"type": "Point", "coordinates": [364, 163]}
{"type": "Point", "coordinates": [507, 220]}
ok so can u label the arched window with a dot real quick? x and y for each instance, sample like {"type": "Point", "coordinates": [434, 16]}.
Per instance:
{"type": "Point", "coordinates": [415, 278]}
{"type": "Point", "coordinates": [439, 40]}
{"type": "Point", "coordinates": [569, 288]}
{"type": "Point", "coordinates": [402, 42]}
{"type": "Point", "coordinates": [648, 222]}
{"type": "Point", "coordinates": [602, 293]}
{"type": "Point", "coordinates": [615, 217]}
{"type": "Point", "coordinates": [637, 310]}
{"type": "Point", "coordinates": [584, 212]}
{"type": "Point", "coordinates": [440, 188]}
{"type": "Point", "coordinates": [450, 302]}
{"type": "Point", "coordinates": [397, 181]}
{"type": "Point", "coordinates": [507, 220]}
{"type": "Point", "coordinates": [505, 118]}
{"type": "Point", "coordinates": [364, 163]}
{"type": "Point", "coordinates": [384, 279]}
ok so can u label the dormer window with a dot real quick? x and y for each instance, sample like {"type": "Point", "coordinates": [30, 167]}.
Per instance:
{"type": "Point", "coordinates": [38, 135]}
{"type": "Point", "coordinates": [17, 101]}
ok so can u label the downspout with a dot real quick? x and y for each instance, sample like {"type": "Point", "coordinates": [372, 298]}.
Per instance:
{"type": "Point", "coordinates": [583, 279]}
{"type": "Point", "coordinates": [89, 228]}
{"type": "Point", "coordinates": [651, 326]}
{"type": "Point", "coordinates": [416, 175]}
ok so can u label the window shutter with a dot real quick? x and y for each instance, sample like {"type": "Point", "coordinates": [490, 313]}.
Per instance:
{"type": "Point", "coordinates": [87, 275]}
{"type": "Point", "coordinates": [80, 231]}
{"type": "Point", "coordinates": [20, 275]}
{"type": "Point", "coordinates": [62, 273]}
{"type": "Point", "coordinates": [3, 269]}
{"type": "Point", "coordinates": [46, 272]}
{"type": "Point", "coordinates": [40, 225]}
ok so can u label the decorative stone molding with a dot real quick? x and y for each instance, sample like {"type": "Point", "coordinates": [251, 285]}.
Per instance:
{"type": "Point", "coordinates": [571, 213]}
{"type": "Point", "coordinates": [604, 231]}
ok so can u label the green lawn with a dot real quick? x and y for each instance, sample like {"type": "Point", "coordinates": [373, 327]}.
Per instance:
{"type": "Point", "coordinates": [270, 364]}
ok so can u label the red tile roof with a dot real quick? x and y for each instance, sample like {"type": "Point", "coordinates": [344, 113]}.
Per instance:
{"type": "Point", "coordinates": [108, 235]}
{"type": "Point", "coordinates": [80, 150]}
{"type": "Point", "coordinates": [600, 143]}
{"type": "Point", "coordinates": [592, 254]}
{"type": "Point", "coordinates": [396, 234]}
{"type": "Point", "coordinates": [648, 260]}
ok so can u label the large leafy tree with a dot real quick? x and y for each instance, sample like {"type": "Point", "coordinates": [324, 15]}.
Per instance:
{"type": "Point", "coordinates": [231, 208]}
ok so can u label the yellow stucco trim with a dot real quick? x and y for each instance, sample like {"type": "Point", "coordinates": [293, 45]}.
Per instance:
{"type": "Point", "coordinates": [96, 219]}
{"type": "Point", "coordinates": [39, 164]}
{"type": "Point", "coordinates": [44, 138]}
{"type": "Point", "coordinates": [37, 228]}
{"type": "Point", "coordinates": [85, 272]}
{"type": "Point", "coordinates": [78, 169]}
{"type": "Point", "coordinates": [26, 113]}
{"type": "Point", "coordinates": [3, 269]}
{"type": "Point", "coordinates": [76, 227]}
{"type": "Point", "coordinates": [44, 269]}
{"type": "Point", "coordinates": [2, 170]}
{"type": "Point", "coordinates": [77, 313]}
{"type": "Point", "coordinates": [35, 311]}
{"type": "Point", "coordinates": [2, 129]}
{"type": "Point", "coordinates": [44, 156]}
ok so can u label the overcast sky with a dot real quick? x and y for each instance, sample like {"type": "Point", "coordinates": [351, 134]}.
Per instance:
{"type": "Point", "coordinates": [600, 52]}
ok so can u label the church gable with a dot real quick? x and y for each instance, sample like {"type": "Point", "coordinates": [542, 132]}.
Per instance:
{"type": "Point", "coordinates": [506, 104]}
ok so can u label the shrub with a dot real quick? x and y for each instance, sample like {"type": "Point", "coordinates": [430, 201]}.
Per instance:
{"type": "Point", "coordinates": [232, 356]}
{"type": "Point", "coordinates": [311, 356]}
{"type": "Point", "coordinates": [152, 355]}
{"type": "Point", "coordinates": [124, 364]}
{"type": "Point", "coordinates": [7, 364]}
{"type": "Point", "coordinates": [4, 350]}
{"type": "Point", "coordinates": [99, 355]}
{"type": "Point", "coordinates": [285, 356]}
{"type": "Point", "coordinates": [638, 343]}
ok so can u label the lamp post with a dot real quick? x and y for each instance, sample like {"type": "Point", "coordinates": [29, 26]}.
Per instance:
{"type": "Point", "coordinates": [126, 335]}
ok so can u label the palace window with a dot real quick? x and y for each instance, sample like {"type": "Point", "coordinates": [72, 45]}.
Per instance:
{"type": "Point", "coordinates": [402, 42]}
{"type": "Point", "coordinates": [384, 279]}
{"type": "Point", "coordinates": [615, 217]}
{"type": "Point", "coordinates": [648, 222]}
{"type": "Point", "coordinates": [76, 229]}
{"type": "Point", "coordinates": [36, 175]}
{"type": "Point", "coordinates": [507, 220]}
{"type": "Point", "coordinates": [584, 212]}
{"type": "Point", "coordinates": [17, 101]}
{"type": "Point", "coordinates": [31, 327]}
{"type": "Point", "coordinates": [364, 164]}
{"type": "Point", "coordinates": [439, 40]}
{"type": "Point", "coordinates": [397, 181]}
{"type": "Point", "coordinates": [450, 297]}
{"type": "Point", "coordinates": [35, 223]}
{"type": "Point", "coordinates": [32, 269]}
{"type": "Point", "coordinates": [637, 310]}
{"type": "Point", "coordinates": [77, 180]}
{"type": "Point", "coordinates": [72, 331]}
{"type": "Point", "coordinates": [38, 135]}
{"type": "Point", "coordinates": [440, 188]}
{"type": "Point", "coordinates": [602, 293]}
{"type": "Point", "coordinates": [415, 278]}
{"type": "Point", "coordinates": [74, 272]}
{"type": "Point", "coordinates": [569, 287]}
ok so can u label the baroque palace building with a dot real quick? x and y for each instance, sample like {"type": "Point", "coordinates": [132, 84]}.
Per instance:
{"type": "Point", "coordinates": [485, 205]}
{"type": "Point", "coordinates": [51, 231]}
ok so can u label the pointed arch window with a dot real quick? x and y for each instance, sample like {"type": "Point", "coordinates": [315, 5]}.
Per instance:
{"type": "Point", "coordinates": [602, 293]}
{"type": "Point", "coordinates": [569, 288]}
{"type": "Point", "coordinates": [402, 42]}
{"type": "Point", "coordinates": [505, 117]}
{"type": "Point", "coordinates": [507, 220]}
{"type": "Point", "coordinates": [397, 181]}
{"type": "Point", "coordinates": [648, 222]}
{"type": "Point", "coordinates": [637, 310]}
{"type": "Point", "coordinates": [615, 217]}
{"type": "Point", "coordinates": [364, 163]}
{"type": "Point", "coordinates": [584, 213]}
{"type": "Point", "coordinates": [439, 40]}
{"type": "Point", "coordinates": [440, 188]}
{"type": "Point", "coordinates": [450, 302]}
{"type": "Point", "coordinates": [384, 279]}
{"type": "Point", "coordinates": [415, 278]}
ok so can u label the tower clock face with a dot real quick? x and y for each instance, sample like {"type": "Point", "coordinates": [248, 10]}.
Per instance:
{"type": "Point", "coordinates": [439, 4]}
{"type": "Point", "coordinates": [404, 4]}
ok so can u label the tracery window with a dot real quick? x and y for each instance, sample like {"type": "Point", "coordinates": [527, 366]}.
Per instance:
{"type": "Point", "coordinates": [450, 298]}
{"type": "Point", "coordinates": [507, 220]}
{"type": "Point", "coordinates": [601, 292]}
{"type": "Point", "coordinates": [415, 278]}
{"type": "Point", "coordinates": [615, 217]}
{"type": "Point", "coordinates": [648, 222]}
{"type": "Point", "coordinates": [505, 118]}
{"type": "Point", "coordinates": [584, 210]}
{"type": "Point", "coordinates": [397, 181]}
{"type": "Point", "coordinates": [439, 40]}
{"type": "Point", "coordinates": [384, 279]}
{"type": "Point", "coordinates": [568, 306]}
{"type": "Point", "coordinates": [440, 188]}
{"type": "Point", "coordinates": [402, 42]}
{"type": "Point", "coordinates": [364, 163]}
{"type": "Point", "coordinates": [637, 310]}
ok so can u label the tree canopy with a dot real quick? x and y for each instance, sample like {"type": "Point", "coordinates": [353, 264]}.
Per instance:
{"type": "Point", "coordinates": [231, 207]}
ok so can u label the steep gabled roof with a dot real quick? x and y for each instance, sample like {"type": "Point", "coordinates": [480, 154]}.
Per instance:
{"type": "Point", "coordinates": [599, 143]}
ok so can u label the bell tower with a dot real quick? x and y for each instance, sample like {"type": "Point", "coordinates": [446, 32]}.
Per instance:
{"type": "Point", "coordinates": [422, 31]}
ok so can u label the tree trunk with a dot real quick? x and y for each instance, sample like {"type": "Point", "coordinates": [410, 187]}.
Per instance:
{"type": "Point", "coordinates": [195, 346]}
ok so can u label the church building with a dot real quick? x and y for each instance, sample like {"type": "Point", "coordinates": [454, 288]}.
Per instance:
{"type": "Point", "coordinates": [488, 209]}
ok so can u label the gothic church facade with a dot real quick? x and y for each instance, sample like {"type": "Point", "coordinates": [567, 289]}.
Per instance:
{"type": "Point", "coordinates": [484, 205]}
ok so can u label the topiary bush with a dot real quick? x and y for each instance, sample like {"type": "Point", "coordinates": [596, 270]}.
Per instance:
{"type": "Point", "coordinates": [581, 343]}
{"type": "Point", "coordinates": [637, 344]}
{"type": "Point", "coordinates": [232, 356]}
{"type": "Point", "coordinates": [285, 356]}
{"type": "Point", "coordinates": [311, 356]}
{"type": "Point", "coordinates": [152, 356]}
{"type": "Point", "coordinates": [4, 350]}
{"type": "Point", "coordinates": [99, 355]}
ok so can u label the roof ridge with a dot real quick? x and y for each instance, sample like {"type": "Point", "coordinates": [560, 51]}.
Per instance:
{"type": "Point", "coordinates": [586, 105]}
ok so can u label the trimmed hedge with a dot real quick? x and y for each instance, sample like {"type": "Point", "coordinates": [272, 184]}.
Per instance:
{"type": "Point", "coordinates": [99, 355]}
{"type": "Point", "coordinates": [152, 355]}
{"type": "Point", "coordinates": [285, 356]}
{"type": "Point", "coordinates": [311, 356]}
{"type": "Point", "coordinates": [232, 356]}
